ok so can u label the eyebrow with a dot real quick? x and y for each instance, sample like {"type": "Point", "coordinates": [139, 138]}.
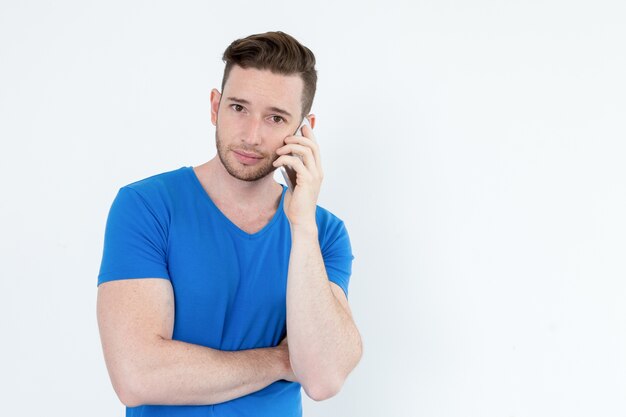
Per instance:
{"type": "Point", "coordinates": [275, 109]}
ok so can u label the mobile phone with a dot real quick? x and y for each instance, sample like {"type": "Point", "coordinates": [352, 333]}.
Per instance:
{"type": "Point", "coordinates": [289, 174]}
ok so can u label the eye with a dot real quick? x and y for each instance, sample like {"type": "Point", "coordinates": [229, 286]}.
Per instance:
{"type": "Point", "coordinates": [237, 107]}
{"type": "Point", "coordinates": [277, 119]}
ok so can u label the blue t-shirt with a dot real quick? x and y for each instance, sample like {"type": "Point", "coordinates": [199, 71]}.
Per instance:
{"type": "Point", "coordinates": [229, 286]}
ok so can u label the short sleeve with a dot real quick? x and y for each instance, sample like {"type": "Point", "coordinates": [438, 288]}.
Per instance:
{"type": "Point", "coordinates": [135, 240]}
{"type": "Point", "coordinates": [337, 255]}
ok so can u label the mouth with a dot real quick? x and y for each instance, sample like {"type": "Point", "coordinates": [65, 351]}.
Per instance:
{"type": "Point", "coordinates": [248, 158]}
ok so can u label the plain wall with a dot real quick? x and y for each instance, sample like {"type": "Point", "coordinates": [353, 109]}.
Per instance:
{"type": "Point", "coordinates": [475, 151]}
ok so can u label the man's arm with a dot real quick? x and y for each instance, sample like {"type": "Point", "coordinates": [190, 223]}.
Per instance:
{"type": "Point", "coordinates": [136, 322]}
{"type": "Point", "coordinates": [324, 343]}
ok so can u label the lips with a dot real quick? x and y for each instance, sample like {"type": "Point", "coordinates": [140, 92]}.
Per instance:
{"type": "Point", "coordinates": [247, 158]}
{"type": "Point", "coordinates": [248, 154]}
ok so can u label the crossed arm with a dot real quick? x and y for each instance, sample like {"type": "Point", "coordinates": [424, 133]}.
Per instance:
{"type": "Point", "coordinates": [136, 320]}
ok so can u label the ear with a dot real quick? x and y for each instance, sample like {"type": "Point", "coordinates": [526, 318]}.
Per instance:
{"type": "Point", "coordinates": [311, 118]}
{"type": "Point", "coordinates": [215, 105]}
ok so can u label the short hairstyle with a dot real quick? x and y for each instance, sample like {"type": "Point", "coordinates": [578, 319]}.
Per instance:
{"type": "Point", "coordinates": [278, 52]}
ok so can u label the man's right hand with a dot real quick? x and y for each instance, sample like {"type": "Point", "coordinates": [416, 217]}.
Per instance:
{"type": "Point", "coordinates": [283, 349]}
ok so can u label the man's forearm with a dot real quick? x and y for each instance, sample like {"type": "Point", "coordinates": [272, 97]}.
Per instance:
{"type": "Point", "coordinates": [324, 343]}
{"type": "Point", "coordinates": [172, 372]}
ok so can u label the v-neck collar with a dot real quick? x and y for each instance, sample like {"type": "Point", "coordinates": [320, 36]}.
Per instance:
{"type": "Point", "coordinates": [279, 212]}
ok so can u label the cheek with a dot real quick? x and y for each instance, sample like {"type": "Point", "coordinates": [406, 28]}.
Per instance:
{"type": "Point", "coordinates": [276, 143]}
{"type": "Point", "coordinates": [228, 127]}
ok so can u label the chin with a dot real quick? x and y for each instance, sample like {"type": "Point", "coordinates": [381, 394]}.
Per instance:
{"type": "Point", "coordinates": [247, 172]}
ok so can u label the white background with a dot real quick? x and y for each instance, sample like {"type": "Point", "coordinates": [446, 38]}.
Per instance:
{"type": "Point", "coordinates": [474, 149]}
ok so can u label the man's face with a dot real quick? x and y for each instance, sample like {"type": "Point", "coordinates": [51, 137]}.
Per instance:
{"type": "Point", "coordinates": [253, 115]}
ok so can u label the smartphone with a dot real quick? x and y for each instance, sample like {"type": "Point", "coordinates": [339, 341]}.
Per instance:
{"type": "Point", "coordinates": [289, 174]}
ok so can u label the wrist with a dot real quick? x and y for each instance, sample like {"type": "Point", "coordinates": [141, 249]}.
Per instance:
{"type": "Point", "coordinates": [282, 363]}
{"type": "Point", "coordinates": [304, 229]}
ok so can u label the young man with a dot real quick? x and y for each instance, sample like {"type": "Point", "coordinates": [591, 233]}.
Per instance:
{"type": "Point", "coordinates": [220, 291]}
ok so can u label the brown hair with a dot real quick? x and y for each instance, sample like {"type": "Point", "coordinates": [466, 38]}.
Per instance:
{"type": "Point", "coordinates": [279, 53]}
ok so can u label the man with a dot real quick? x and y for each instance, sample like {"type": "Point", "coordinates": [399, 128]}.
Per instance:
{"type": "Point", "coordinates": [222, 292]}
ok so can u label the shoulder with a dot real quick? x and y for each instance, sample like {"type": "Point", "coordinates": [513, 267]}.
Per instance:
{"type": "Point", "coordinates": [160, 189]}
{"type": "Point", "coordinates": [330, 227]}
{"type": "Point", "coordinates": [335, 247]}
{"type": "Point", "coordinates": [159, 182]}
{"type": "Point", "coordinates": [326, 219]}
{"type": "Point", "coordinates": [155, 196]}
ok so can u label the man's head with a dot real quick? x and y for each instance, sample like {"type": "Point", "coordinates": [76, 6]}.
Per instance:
{"type": "Point", "coordinates": [268, 87]}
{"type": "Point", "coordinates": [279, 53]}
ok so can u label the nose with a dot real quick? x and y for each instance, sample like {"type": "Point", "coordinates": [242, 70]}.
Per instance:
{"type": "Point", "coordinates": [252, 132]}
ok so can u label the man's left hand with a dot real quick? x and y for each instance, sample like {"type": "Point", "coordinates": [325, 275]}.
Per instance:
{"type": "Point", "coordinates": [300, 204]}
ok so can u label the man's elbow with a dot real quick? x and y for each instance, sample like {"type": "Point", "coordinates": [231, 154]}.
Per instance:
{"type": "Point", "coordinates": [321, 392]}
{"type": "Point", "coordinates": [128, 398]}
{"type": "Point", "coordinates": [128, 390]}
{"type": "Point", "coordinates": [323, 388]}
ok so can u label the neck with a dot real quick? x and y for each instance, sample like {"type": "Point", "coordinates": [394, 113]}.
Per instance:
{"type": "Point", "coordinates": [224, 187]}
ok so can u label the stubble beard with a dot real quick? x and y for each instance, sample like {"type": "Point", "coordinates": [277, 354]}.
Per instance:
{"type": "Point", "coordinates": [243, 172]}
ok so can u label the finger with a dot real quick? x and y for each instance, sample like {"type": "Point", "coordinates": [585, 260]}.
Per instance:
{"type": "Point", "coordinates": [304, 152]}
{"type": "Point", "coordinates": [301, 140]}
{"type": "Point", "coordinates": [296, 164]}
{"type": "Point", "coordinates": [293, 162]}
{"type": "Point", "coordinates": [308, 132]}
